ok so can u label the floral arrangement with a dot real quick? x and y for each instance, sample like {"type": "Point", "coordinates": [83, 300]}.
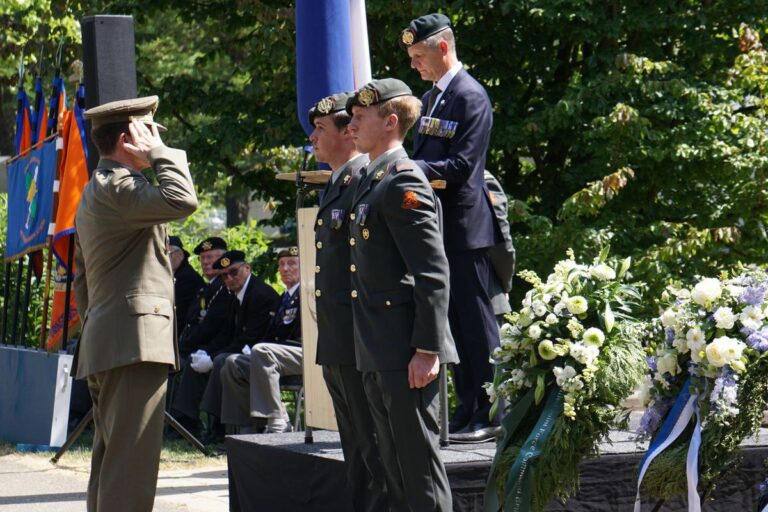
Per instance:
{"type": "Point", "coordinates": [709, 343]}
{"type": "Point", "coordinates": [567, 359]}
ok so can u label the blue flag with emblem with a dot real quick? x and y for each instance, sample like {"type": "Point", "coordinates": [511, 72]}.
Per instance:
{"type": "Point", "coordinates": [30, 200]}
{"type": "Point", "coordinates": [331, 51]}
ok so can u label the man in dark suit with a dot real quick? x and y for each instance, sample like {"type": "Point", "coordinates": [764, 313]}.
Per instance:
{"type": "Point", "coordinates": [186, 282]}
{"type": "Point", "coordinates": [399, 296]}
{"type": "Point", "coordinates": [250, 317]}
{"type": "Point", "coordinates": [207, 325]}
{"type": "Point", "coordinates": [332, 143]}
{"type": "Point", "coordinates": [250, 394]}
{"type": "Point", "coordinates": [450, 145]}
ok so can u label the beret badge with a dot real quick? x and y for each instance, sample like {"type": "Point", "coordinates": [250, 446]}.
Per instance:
{"type": "Point", "coordinates": [325, 105]}
{"type": "Point", "coordinates": [407, 37]}
{"type": "Point", "coordinates": [207, 245]}
{"type": "Point", "coordinates": [293, 251]}
{"type": "Point", "coordinates": [224, 262]}
{"type": "Point", "coordinates": [366, 97]}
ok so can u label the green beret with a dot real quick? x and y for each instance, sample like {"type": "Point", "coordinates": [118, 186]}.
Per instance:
{"type": "Point", "coordinates": [125, 111]}
{"type": "Point", "coordinates": [378, 91]}
{"type": "Point", "coordinates": [229, 258]}
{"type": "Point", "coordinates": [423, 27]}
{"type": "Point", "coordinates": [329, 105]}
{"type": "Point", "coordinates": [209, 244]}
{"type": "Point", "coordinates": [287, 251]}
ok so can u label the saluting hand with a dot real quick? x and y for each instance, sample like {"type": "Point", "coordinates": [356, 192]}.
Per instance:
{"type": "Point", "coordinates": [143, 139]}
{"type": "Point", "coordinates": [422, 369]}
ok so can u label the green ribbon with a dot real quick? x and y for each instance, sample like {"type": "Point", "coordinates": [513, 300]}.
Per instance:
{"type": "Point", "coordinates": [518, 488]}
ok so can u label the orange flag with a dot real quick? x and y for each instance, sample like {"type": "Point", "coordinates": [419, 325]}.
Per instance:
{"type": "Point", "coordinates": [73, 176]}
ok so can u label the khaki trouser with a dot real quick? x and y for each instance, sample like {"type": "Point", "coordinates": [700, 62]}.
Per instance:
{"type": "Point", "coordinates": [128, 413]}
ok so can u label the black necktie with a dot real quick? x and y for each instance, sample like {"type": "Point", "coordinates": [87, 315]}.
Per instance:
{"type": "Point", "coordinates": [433, 94]}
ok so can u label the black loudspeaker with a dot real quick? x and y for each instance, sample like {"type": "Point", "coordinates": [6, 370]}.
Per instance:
{"type": "Point", "coordinates": [109, 65]}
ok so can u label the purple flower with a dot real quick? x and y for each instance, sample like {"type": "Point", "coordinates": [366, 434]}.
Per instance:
{"type": "Point", "coordinates": [758, 340]}
{"type": "Point", "coordinates": [649, 422]}
{"type": "Point", "coordinates": [753, 295]}
{"type": "Point", "coordinates": [764, 486]}
{"type": "Point", "coordinates": [746, 331]}
{"type": "Point", "coordinates": [651, 363]}
{"type": "Point", "coordinates": [670, 334]}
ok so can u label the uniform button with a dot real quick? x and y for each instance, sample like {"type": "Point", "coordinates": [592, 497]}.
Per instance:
{"type": "Point", "coordinates": [354, 294]}
{"type": "Point", "coordinates": [352, 216]}
{"type": "Point", "coordinates": [317, 293]}
{"type": "Point", "coordinates": [352, 241]}
{"type": "Point", "coordinates": [157, 309]}
{"type": "Point", "coordinates": [388, 303]}
{"type": "Point", "coordinates": [319, 222]}
{"type": "Point", "coordinates": [319, 245]}
{"type": "Point", "coordinates": [352, 268]}
{"type": "Point", "coordinates": [317, 269]}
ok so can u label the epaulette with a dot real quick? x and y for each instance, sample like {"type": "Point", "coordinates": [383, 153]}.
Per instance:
{"type": "Point", "coordinates": [404, 165]}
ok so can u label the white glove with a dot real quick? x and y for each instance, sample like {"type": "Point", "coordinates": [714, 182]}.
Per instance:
{"type": "Point", "coordinates": [201, 361]}
{"type": "Point", "coordinates": [247, 350]}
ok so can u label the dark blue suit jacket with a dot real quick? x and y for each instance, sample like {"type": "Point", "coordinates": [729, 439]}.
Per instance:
{"type": "Point", "coordinates": [469, 222]}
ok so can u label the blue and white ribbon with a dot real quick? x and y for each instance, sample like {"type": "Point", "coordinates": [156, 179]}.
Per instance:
{"type": "Point", "coordinates": [692, 461]}
{"type": "Point", "coordinates": [674, 425]}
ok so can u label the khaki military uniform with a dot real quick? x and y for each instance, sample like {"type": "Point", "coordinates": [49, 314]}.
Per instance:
{"type": "Point", "coordinates": [124, 292]}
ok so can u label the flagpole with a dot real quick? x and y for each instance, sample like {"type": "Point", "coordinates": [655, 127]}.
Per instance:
{"type": "Point", "coordinates": [30, 148]}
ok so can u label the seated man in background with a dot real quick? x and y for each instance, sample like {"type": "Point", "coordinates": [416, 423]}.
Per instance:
{"type": "Point", "coordinates": [206, 325]}
{"type": "Point", "coordinates": [251, 381]}
{"type": "Point", "coordinates": [250, 317]}
{"type": "Point", "coordinates": [186, 281]}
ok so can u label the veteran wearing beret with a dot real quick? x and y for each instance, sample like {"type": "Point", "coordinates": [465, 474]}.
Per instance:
{"type": "Point", "coordinates": [186, 281]}
{"type": "Point", "coordinates": [250, 381]}
{"type": "Point", "coordinates": [399, 296]}
{"type": "Point", "coordinates": [332, 143]}
{"type": "Point", "coordinates": [124, 292]}
{"type": "Point", "coordinates": [250, 317]}
{"type": "Point", "coordinates": [207, 325]}
{"type": "Point", "coordinates": [450, 144]}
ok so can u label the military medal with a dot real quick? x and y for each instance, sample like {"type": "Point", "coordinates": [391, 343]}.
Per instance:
{"type": "Point", "coordinates": [379, 175]}
{"type": "Point", "coordinates": [290, 315]}
{"type": "Point", "coordinates": [362, 213]}
{"type": "Point", "coordinates": [437, 127]}
{"type": "Point", "coordinates": [346, 180]}
{"type": "Point", "coordinates": [337, 218]}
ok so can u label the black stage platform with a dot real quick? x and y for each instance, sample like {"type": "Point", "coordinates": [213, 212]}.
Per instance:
{"type": "Point", "coordinates": [279, 473]}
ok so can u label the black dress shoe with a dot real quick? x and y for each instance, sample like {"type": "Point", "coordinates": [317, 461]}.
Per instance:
{"type": "Point", "coordinates": [474, 434]}
{"type": "Point", "coordinates": [459, 420]}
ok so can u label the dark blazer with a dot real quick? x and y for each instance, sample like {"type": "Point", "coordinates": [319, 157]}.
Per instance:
{"type": "Point", "coordinates": [186, 285]}
{"type": "Point", "coordinates": [209, 318]}
{"type": "Point", "coordinates": [502, 255]}
{"type": "Point", "coordinates": [460, 160]}
{"type": "Point", "coordinates": [251, 319]}
{"type": "Point", "coordinates": [335, 338]}
{"type": "Point", "coordinates": [399, 268]}
{"type": "Point", "coordinates": [285, 324]}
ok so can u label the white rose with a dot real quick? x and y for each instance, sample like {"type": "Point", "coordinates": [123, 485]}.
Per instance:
{"type": "Point", "coordinates": [723, 350]}
{"type": "Point", "coordinates": [667, 363]}
{"type": "Point", "coordinates": [694, 336]}
{"type": "Point", "coordinates": [706, 291]}
{"type": "Point", "coordinates": [593, 336]}
{"type": "Point", "coordinates": [559, 307]}
{"type": "Point", "coordinates": [563, 375]}
{"type": "Point", "coordinates": [534, 332]}
{"type": "Point", "coordinates": [585, 354]}
{"type": "Point", "coordinates": [539, 308]}
{"type": "Point", "coordinates": [724, 318]}
{"type": "Point", "coordinates": [551, 319]}
{"type": "Point", "coordinates": [669, 318]}
{"type": "Point", "coordinates": [602, 272]}
{"type": "Point", "coordinates": [577, 305]}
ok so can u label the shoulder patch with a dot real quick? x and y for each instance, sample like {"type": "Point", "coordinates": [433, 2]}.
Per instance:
{"type": "Point", "coordinates": [410, 200]}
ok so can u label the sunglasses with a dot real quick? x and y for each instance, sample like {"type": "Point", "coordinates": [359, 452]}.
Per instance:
{"type": "Point", "coordinates": [232, 273]}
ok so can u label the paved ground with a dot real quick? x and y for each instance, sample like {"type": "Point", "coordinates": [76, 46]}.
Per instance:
{"type": "Point", "coordinates": [30, 483]}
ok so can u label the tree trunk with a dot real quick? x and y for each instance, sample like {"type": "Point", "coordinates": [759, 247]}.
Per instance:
{"type": "Point", "coordinates": [237, 205]}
